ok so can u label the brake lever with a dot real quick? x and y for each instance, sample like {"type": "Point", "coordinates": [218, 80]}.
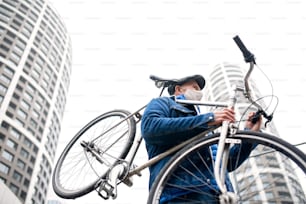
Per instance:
{"type": "Point", "coordinates": [269, 118]}
{"type": "Point", "coordinates": [258, 113]}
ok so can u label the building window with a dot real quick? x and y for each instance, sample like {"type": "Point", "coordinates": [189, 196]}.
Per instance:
{"type": "Point", "coordinates": [33, 123]}
{"type": "Point", "coordinates": [28, 96]}
{"type": "Point", "coordinates": [31, 88]}
{"type": "Point", "coordinates": [22, 114]}
{"type": "Point", "coordinates": [32, 160]}
{"type": "Point", "coordinates": [31, 131]}
{"type": "Point", "coordinates": [26, 32]}
{"type": "Point", "coordinates": [277, 176]}
{"type": "Point", "coordinates": [35, 149]}
{"type": "Point", "coordinates": [2, 137]}
{"type": "Point", "coordinates": [24, 153]}
{"type": "Point", "coordinates": [13, 105]}
{"type": "Point", "coordinates": [18, 87]}
{"type": "Point", "coordinates": [21, 164]}
{"type": "Point", "coordinates": [16, 96]}
{"type": "Point", "coordinates": [15, 58]}
{"type": "Point", "coordinates": [29, 170]}
{"type": "Point", "coordinates": [14, 188]}
{"type": "Point", "coordinates": [10, 143]}
{"type": "Point", "coordinates": [2, 88]}
{"type": "Point", "coordinates": [38, 105]}
{"type": "Point", "coordinates": [25, 105]}
{"type": "Point", "coordinates": [35, 74]}
{"type": "Point", "coordinates": [40, 98]}
{"type": "Point", "coordinates": [2, 180]}
{"type": "Point", "coordinates": [4, 168]}
{"type": "Point", "coordinates": [19, 122]}
{"type": "Point", "coordinates": [26, 182]}
{"type": "Point", "coordinates": [15, 133]}
{"type": "Point", "coordinates": [281, 186]}
{"type": "Point", "coordinates": [17, 176]}
{"type": "Point", "coordinates": [27, 142]}
{"type": "Point", "coordinates": [284, 195]}
{"type": "Point", "coordinates": [5, 79]}
{"type": "Point", "coordinates": [8, 71]}
{"type": "Point", "coordinates": [269, 195]}
{"type": "Point", "coordinates": [23, 195]}
{"type": "Point", "coordinates": [8, 156]}
{"type": "Point", "coordinates": [35, 114]}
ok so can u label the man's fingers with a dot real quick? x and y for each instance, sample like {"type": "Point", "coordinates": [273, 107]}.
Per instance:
{"type": "Point", "coordinates": [228, 115]}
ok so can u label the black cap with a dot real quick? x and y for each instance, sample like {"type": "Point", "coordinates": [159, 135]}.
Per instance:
{"type": "Point", "coordinates": [198, 78]}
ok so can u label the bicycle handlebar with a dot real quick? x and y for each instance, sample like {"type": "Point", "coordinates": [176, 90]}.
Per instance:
{"type": "Point", "coordinates": [250, 58]}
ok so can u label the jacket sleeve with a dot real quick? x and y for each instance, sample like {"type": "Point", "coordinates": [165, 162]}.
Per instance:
{"type": "Point", "coordinates": [159, 127]}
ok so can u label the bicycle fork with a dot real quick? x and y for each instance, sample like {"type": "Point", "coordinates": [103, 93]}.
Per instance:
{"type": "Point", "coordinates": [222, 156]}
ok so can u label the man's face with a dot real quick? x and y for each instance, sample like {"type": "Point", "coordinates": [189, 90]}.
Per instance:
{"type": "Point", "coordinates": [180, 89]}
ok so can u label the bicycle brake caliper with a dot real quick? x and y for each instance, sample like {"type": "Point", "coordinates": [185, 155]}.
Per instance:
{"type": "Point", "coordinates": [233, 129]}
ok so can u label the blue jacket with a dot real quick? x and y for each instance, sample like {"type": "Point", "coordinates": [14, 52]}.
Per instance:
{"type": "Point", "coordinates": [165, 124]}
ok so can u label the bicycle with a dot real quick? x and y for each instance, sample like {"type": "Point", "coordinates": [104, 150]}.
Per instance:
{"type": "Point", "coordinates": [103, 151]}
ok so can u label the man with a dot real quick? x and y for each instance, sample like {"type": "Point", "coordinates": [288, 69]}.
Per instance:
{"type": "Point", "coordinates": [165, 123]}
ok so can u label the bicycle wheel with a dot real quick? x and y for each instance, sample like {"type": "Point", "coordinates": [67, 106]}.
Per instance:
{"type": "Point", "coordinates": [274, 172]}
{"type": "Point", "coordinates": [77, 169]}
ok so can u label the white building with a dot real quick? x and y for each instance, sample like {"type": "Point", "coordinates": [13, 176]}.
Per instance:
{"type": "Point", "coordinates": [270, 177]}
{"type": "Point", "coordinates": [35, 68]}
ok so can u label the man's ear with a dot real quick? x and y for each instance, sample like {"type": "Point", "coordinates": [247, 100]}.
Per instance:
{"type": "Point", "coordinates": [177, 89]}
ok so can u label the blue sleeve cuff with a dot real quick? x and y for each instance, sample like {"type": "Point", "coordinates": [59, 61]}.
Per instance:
{"type": "Point", "coordinates": [207, 118]}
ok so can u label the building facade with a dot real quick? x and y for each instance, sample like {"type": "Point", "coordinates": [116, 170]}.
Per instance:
{"type": "Point", "coordinates": [267, 178]}
{"type": "Point", "coordinates": [35, 69]}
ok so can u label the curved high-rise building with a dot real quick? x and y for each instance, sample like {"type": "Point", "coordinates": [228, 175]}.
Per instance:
{"type": "Point", "coordinates": [271, 177]}
{"type": "Point", "coordinates": [35, 68]}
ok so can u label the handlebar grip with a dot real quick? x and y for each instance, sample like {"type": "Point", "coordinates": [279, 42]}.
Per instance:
{"type": "Point", "coordinates": [154, 78]}
{"type": "Point", "coordinates": [248, 56]}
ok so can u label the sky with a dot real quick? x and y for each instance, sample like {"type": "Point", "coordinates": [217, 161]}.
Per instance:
{"type": "Point", "coordinates": [118, 44]}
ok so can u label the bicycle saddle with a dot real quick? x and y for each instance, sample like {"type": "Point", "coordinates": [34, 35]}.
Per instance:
{"type": "Point", "coordinates": [170, 83]}
{"type": "Point", "coordinates": [161, 82]}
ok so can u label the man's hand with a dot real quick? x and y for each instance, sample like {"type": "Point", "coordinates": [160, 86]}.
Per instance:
{"type": "Point", "coordinates": [227, 114]}
{"type": "Point", "coordinates": [250, 125]}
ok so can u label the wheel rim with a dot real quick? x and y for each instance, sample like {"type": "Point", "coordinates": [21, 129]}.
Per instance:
{"type": "Point", "coordinates": [77, 171]}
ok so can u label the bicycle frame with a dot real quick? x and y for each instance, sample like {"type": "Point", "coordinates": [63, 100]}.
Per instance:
{"type": "Point", "coordinates": [107, 188]}
{"type": "Point", "coordinates": [127, 170]}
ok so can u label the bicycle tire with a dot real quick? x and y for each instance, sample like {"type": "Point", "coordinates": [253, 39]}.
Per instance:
{"type": "Point", "coordinates": [77, 171]}
{"type": "Point", "coordinates": [266, 185]}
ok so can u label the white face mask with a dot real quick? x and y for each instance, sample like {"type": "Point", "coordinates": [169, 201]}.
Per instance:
{"type": "Point", "coordinates": [194, 95]}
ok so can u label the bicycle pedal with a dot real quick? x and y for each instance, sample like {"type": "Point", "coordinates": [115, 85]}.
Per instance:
{"type": "Point", "coordinates": [105, 190]}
